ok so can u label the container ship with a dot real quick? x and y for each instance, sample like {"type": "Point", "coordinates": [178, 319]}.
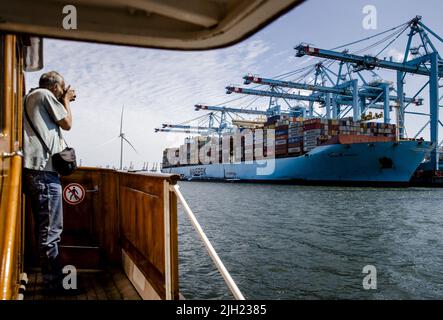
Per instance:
{"type": "Point", "coordinates": [310, 151]}
{"type": "Point", "coordinates": [314, 141]}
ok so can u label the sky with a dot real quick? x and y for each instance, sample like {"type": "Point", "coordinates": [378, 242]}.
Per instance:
{"type": "Point", "coordinates": [162, 86]}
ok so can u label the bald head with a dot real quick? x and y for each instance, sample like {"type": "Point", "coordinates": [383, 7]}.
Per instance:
{"type": "Point", "coordinates": [54, 82]}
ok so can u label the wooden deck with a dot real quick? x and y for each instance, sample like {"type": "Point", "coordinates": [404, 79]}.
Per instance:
{"type": "Point", "coordinates": [124, 213]}
{"type": "Point", "coordinates": [93, 285]}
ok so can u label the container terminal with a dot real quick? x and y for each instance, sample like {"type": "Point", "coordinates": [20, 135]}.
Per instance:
{"type": "Point", "coordinates": [336, 121]}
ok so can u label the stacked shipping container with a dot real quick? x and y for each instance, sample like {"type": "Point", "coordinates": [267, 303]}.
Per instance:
{"type": "Point", "coordinates": [281, 140]}
{"type": "Point", "coordinates": [294, 137]}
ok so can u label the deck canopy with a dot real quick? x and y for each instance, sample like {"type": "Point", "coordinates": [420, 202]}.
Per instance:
{"type": "Point", "coordinates": [168, 24]}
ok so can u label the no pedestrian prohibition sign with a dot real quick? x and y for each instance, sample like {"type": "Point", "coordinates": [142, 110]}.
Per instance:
{"type": "Point", "coordinates": [74, 193]}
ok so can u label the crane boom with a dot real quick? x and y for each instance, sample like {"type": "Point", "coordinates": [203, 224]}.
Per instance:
{"type": "Point", "coordinates": [233, 110]}
{"type": "Point", "coordinates": [182, 126]}
{"type": "Point", "coordinates": [289, 84]}
{"type": "Point", "coordinates": [367, 62]}
{"type": "Point", "coordinates": [181, 131]}
{"type": "Point", "coordinates": [344, 92]}
{"type": "Point", "coordinates": [231, 89]}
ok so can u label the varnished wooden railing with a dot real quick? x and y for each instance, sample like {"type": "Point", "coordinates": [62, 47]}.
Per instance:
{"type": "Point", "coordinates": [10, 165]}
{"type": "Point", "coordinates": [148, 213]}
{"type": "Point", "coordinates": [8, 254]}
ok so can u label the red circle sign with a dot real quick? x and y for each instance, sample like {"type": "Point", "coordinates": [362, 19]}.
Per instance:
{"type": "Point", "coordinates": [74, 193]}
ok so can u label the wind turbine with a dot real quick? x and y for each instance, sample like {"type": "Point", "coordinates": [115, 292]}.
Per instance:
{"type": "Point", "coordinates": [123, 138]}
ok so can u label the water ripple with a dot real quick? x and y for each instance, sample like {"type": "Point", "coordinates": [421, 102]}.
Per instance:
{"type": "Point", "coordinates": [303, 242]}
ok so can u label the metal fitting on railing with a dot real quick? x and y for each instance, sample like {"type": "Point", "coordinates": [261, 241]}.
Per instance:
{"type": "Point", "coordinates": [24, 278]}
{"type": "Point", "coordinates": [12, 154]}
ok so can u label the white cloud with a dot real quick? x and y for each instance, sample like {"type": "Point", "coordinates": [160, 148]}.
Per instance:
{"type": "Point", "coordinates": [396, 55]}
{"type": "Point", "coordinates": [156, 86]}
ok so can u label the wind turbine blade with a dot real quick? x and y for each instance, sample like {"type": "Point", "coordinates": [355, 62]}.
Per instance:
{"type": "Point", "coordinates": [101, 145]}
{"type": "Point", "coordinates": [130, 144]}
{"type": "Point", "coordinates": [121, 120]}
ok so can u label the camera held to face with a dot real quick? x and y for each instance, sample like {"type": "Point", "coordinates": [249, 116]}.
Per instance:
{"type": "Point", "coordinates": [69, 93]}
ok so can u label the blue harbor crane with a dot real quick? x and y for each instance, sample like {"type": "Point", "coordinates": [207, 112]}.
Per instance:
{"type": "Point", "coordinates": [269, 112]}
{"type": "Point", "coordinates": [339, 91]}
{"type": "Point", "coordinates": [343, 94]}
{"type": "Point", "coordinates": [182, 131]}
{"type": "Point", "coordinates": [182, 126]}
{"type": "Point", "coordinates": [428, 63]}
{"type": "Point", "coordinates": [199, 107]}
{"type": "Point", "coordinates": [206, 130]}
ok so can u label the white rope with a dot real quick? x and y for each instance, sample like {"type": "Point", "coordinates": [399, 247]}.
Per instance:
{"type": "Point", "coordinates": [214, 256]}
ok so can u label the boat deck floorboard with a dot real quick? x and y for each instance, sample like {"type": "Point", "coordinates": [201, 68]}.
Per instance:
{"type": "Point", "coordinates": [112, 284]}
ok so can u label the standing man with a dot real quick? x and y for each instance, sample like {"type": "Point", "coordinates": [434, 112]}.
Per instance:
{"type": "Point", "coordinates": [48, 108]}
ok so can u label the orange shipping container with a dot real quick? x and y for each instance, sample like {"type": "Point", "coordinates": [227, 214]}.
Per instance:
{"type": "Point", "coordinates": [353, 138]}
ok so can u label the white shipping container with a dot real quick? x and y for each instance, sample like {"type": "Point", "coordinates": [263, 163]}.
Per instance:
{"type": "Point", "coordinates": [312, 138]}
{"type": "Point", "coordinates": [294, 150]}
{"type": "Point", "coordinates": [312, 132]}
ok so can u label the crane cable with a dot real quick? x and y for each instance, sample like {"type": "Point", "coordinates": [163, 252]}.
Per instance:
{"type": "Point", "coordinates": [310, 68]}
{"type": "Point", "coordinates": [368, 38]}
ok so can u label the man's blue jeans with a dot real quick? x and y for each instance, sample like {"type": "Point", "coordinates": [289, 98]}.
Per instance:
{"type": "Point", "coordinates": [45, 193]}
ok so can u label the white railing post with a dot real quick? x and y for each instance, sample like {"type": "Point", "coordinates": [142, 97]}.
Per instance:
{"type": "Point", "coordinates": [167, 230]}
{"type": "Point", "coordinates": [214, 256]}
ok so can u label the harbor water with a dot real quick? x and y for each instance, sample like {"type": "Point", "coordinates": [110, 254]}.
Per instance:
{"type": "Point", "coordinates": [306, 242]}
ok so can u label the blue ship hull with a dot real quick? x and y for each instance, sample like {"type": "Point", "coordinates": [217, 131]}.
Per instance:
{"type": "Point", "coordinates": [378, 162]}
